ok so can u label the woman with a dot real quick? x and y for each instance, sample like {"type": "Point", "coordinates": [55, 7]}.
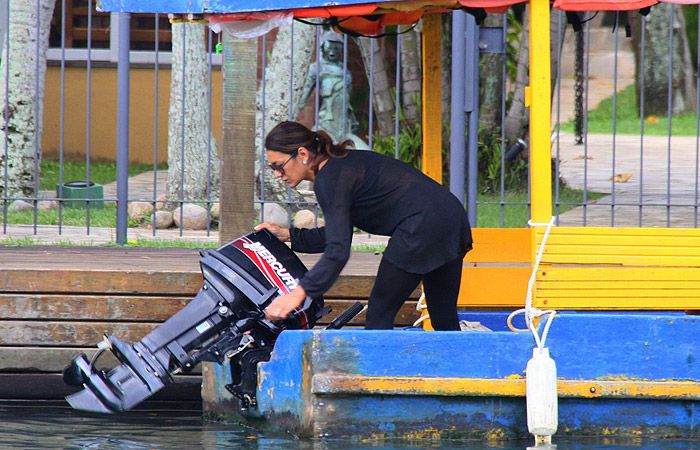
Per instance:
{"type": "Point", "coordinates": [355, 188]}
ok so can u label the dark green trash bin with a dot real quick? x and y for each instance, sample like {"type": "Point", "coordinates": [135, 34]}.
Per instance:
{"type": "Point", "coordinates": [81, 191]}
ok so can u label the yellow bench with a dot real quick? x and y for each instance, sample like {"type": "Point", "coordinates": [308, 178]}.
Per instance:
{"type": "Point", "coordinates": [618, 268]}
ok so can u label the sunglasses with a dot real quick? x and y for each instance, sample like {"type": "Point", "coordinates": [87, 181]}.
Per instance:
{"type": "Point", "coordinates": [280, 167]}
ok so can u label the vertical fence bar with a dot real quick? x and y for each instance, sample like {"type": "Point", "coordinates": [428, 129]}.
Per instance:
{"type": "Point", "coordinates": [290, 115]}
{"type": "Point", "coordinates": [504, 75]}
{"type": "Point", "coordinates": [398, 92]}
{"type": "Point", "coordinates": [37, 119]}
{"type": "Point", "coordinates": [263, 155]}
{"type": "Point", "coordinates": [89, 113]}
{"type": "Point", "coordinates": [614, 120]}
{"type": "Point", "coordinates": [7, 114]}
{"type": "Point", "coordinates": [123, 72]}
{"type": "Point", "coordinates": [587, 52]}
{"type": "Point", "coordinates": [62, 124]}
{"type": "Point", "coordinates": [371, 92]}
{"type": "Point", "coordinates": [209, 131]}
{"type": "Point", "coordinates": [457, 116]}
{"type": "Point", "coordinates": [557, 185]}
{"type": "Point", "coordinates": [471, 107]}
{"type": "Point", "coordinates": [317, 81]}
{"type": "Point", "coordinates": [697, 127]}
{"type": "Point", "coordinates": [182, 128]}
{"type": "Point", "coordinates": [155, 123]}
{"type": "Point", "coordinates": [670, 117]}
{"type": "Point", "coordinates": [344, 118]}
{"type": "Point", "coordinates": [641, 120]}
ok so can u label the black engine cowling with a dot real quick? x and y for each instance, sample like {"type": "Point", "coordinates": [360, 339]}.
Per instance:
{"type": "Point", "coordinates": [225, 322]}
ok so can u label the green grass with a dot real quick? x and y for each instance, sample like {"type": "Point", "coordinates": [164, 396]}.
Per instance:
{"type": "Point", "coordinates": [104, 217]}
{"type": "Point", "coordinates": [100, 172]}
{"type": "Point", "coordinates": [600, 120]}
{"type": "Point", "coordinates": [489, 215]}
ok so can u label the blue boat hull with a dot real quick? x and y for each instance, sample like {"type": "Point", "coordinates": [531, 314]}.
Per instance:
{"type": "Point", "coordinates": [618, 374]}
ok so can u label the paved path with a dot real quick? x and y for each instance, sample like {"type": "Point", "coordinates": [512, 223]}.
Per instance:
{"type": "Point", "coordinates": [660, 174]}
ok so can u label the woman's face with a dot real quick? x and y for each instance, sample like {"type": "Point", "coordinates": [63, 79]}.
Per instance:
{"type": "Point", "coordinates": [288, 167]}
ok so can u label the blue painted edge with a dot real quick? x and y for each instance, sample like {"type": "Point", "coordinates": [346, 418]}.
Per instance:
{"type": "Point", "coordinates": [153, 6]}
{"type": "Point", "coordinates": [216, 6]}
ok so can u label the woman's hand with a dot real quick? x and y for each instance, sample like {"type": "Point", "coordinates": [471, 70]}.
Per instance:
{"type": "Point", "coordinates": [284, 304]}
{"type": "Point", "coordinates": [280, 233]}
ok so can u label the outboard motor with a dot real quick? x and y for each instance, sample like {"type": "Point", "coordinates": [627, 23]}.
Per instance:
{"type": "Point", "coordinates": [224, 323]}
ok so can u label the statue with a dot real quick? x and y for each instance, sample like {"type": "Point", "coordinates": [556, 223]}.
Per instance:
{"type": "Point", "coordinates": [332, 91]}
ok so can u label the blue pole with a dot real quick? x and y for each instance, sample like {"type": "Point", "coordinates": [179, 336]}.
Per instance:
{"type": "Point", "coordinates": [123, 127]}
{"type": "Point", "coordinates": [457, 117]}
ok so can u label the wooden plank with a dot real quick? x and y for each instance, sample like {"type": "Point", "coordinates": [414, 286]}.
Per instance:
{"type": "Point", "coordinates": [623, 241]}
{"type": "Point", "coordinates": [407, 315]}
{"type": "Point", "coordinates": [432, 96]}
{"type": "Point", "coordinates": [616, 287]}
{"type": "Point", "coordinates": [635, 274]}
{"type": "Point", "coordinates": [100, 281]}
{"type": "Point", "coordinates": [626, 246]}
{"type": "Point", "coordinates": [620, 231]}
{"type": "Point", "coordinates": [27, 386]}
{"type": "Point", "coordinates": [500, 245]}
{"type": "Point", "coordinates": [52, 359]}
{"type": "Point", "coordinates": [622, 303]}
{"type": "Point", "coordinates": [141, 283]}
{"type": "Point", "coordinates": [494, 287]}
{"type": "Point", "coordinates": [68, 334]}
{"type": "Point", "coordinates": [90, 307]}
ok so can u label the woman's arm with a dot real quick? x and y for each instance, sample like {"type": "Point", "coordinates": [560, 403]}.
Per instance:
{"type": "Point", "coordinates": [308, 240]}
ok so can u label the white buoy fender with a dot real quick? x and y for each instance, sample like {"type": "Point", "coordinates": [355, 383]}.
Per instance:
{"type": "Point", "coordinates": [541, 394]}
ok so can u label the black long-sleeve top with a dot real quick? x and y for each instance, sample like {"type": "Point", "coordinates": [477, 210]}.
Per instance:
{"type": "Point", "coordinates": [380, 195]}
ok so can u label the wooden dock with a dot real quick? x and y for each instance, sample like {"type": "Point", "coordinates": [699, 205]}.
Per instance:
{"type": "Point", "coordinates": [57, 302]}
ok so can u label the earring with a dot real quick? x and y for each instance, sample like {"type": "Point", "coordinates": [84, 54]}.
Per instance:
{"type": "Point", "coordinates": [304, 162]}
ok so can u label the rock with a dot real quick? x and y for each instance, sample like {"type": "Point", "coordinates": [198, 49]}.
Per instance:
{"type": "Point", "coordinates": [164, 219]}
{"type": "Point", "coordinates": [139, 210]}
{"type": "Point", "coordinates": [47, 205]}
{"type": "Point", "coordinates": [20, 205]}
{"type": "Point", "coordinates": [214, 211]}
{"type": "Point", "coordinates": [276, 214]}
{"type": "Point", "coordinates": [160, 204]}
{"type": "Point", "coordinates": [306, 219]}
{"type": "Point", "coordinates": [193, 217]}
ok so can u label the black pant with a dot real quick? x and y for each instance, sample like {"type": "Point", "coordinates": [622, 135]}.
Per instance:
{"type": "Point", "coordinates": [394, 285]}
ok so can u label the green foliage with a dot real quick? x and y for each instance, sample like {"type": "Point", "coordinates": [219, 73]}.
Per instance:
{"type": "Point", "coordinates": [491, 148]}
{"type": "Point", "coordinates": [600, 120]}
{"type": "Point", "coordinates": [512, 44]}
{"type": "Point", "coordinates": [515, 211]}
{"type": "Point", "coordinates": [690, 12]}
{"type": "Point", "coordinates": [410, 144]}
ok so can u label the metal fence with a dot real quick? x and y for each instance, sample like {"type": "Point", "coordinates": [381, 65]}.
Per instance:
{"type": "Point", "coordinates": [606, 177]}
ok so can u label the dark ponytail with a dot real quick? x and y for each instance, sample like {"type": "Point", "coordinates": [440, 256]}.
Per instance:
{"type": "Point", "coordinates": [288, 136]}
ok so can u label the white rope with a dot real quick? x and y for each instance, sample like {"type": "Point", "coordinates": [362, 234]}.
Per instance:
{"type": "Point", "coordinates": [530, 312]}
{"type": "Point", "coordinates": [420, 306]}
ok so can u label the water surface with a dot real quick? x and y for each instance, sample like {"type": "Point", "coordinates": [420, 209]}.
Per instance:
{"type": "Point", "coordinates": [37, 426]}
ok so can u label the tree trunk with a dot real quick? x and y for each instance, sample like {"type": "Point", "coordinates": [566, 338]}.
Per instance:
{"type": "Point", "coordinates": [21, 114]}
{"type": "Point", "coordinates": [491, 82]}
{"type": "Point", "coordinates": [517, 116]}
{"type": "Point", "coordinates": [278, 97]}
{"type": "Point", "coordinates": [188, 118]}
{"type": "Point", "coordinates": [382, 100]}
{"type": "Point", "coordinates": [411, 77]}
{"type": "Point", "coordinates": [656, 62]}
